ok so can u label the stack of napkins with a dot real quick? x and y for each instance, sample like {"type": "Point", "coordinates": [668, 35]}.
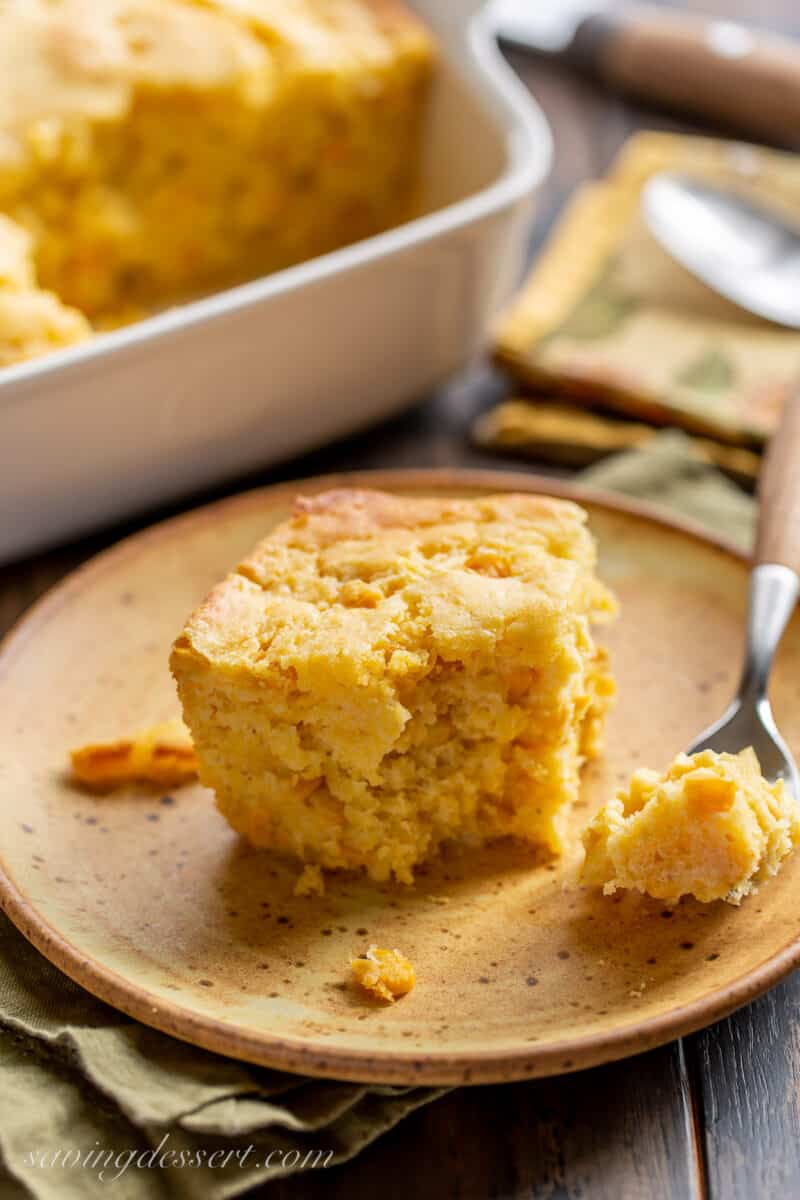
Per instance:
{"type": "Point", "coordinates": [608, 319]}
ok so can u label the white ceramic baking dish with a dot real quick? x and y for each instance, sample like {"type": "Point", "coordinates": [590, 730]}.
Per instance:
{"type": "Point", "coordinates": [248, 376]}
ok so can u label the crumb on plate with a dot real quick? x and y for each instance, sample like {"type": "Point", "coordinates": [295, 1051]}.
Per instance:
{"type": "Point", "coordinates": [386, 973]}
{"type": "Point", "coordinates": [310, 881]}
{"type": "Point", "coordinates": [162, 755]}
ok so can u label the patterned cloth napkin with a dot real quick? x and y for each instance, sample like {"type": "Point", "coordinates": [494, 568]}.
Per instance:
{"type": "Point", "coordinates": [607, 317]}
{"type": "Point", "coordinates": [121, 1105]}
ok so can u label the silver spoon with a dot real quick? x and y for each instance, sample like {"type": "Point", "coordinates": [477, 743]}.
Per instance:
{"type": "Point", "coordinates": [741, 250]}
{"type": "Point", "coordinates": [774, 590]}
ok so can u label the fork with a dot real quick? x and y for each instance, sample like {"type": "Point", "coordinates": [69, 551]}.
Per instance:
{"type": "Point", "coordinates": [774, 590]}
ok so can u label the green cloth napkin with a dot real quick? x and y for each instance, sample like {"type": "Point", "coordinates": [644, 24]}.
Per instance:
{"type": "Point", "coordinates": [665, 472]}
{"type": "Point", "coordinates": [79, 1079]}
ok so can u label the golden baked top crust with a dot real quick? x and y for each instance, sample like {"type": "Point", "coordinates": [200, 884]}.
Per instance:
{"type": "Point", "coordinates": [79, 59]}
{"type": "Point", "coordinates": [371, 585]}
{"type": "Point", "coordinates": [329, 33]}
{"type": "Point", "coordinates": [72, 60]}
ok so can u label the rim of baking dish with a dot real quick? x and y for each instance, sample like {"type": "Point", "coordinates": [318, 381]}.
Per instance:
{"type": "Point", "coordinates": [472, 51]}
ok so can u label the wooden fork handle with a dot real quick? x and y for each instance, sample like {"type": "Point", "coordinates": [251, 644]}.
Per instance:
{"type": "Point", "coordinates": [778, 535]}
{"type": "Point", "coordinates": [715, 68]}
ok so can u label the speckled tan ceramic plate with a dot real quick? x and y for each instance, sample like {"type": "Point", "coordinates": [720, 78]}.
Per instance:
{"type": "Point", "coordinates": [152, 903]}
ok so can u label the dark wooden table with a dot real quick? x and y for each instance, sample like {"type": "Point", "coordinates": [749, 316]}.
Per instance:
{"type": "Point", "coordinates": [717, 1114]}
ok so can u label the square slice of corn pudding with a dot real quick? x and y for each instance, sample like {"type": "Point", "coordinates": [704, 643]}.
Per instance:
{"type": "Point", "coordinates": [384, 673]}
{"type": "Point", "coordinates": [158, 149]}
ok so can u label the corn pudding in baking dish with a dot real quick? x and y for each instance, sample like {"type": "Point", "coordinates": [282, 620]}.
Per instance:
{"type": "Point", "coordinates": [385, 673]}
{"type": "Point", "coordinates": [154, 150]}
{"type": "Point", "coordinates": [710, 827]}
{"type": "Point", "coordinates": [32, 321]}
